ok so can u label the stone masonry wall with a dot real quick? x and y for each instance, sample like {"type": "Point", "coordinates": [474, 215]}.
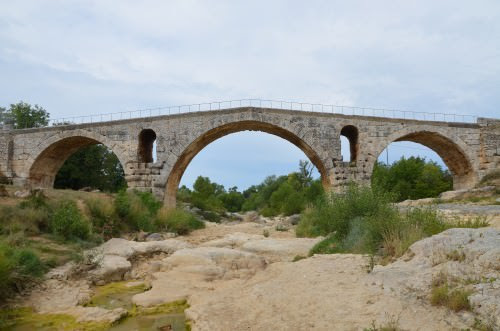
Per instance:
{"type": "Point", "coordinates": [469, 150]}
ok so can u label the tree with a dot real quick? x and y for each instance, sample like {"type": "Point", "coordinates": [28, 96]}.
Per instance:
{"type": "Point", "coordinates": [305, 172]}
{"type": "Point", "coordinates": [94, 166]}
{"type": "Point", "coordinates": [4, 116]}
{"type": "Point", "coordinates": [412, 178]}
{"type": "Point", "coordinates": [22, 115]}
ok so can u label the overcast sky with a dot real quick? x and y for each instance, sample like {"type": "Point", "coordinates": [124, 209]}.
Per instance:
{"type": "Point", "coordinates": [83, 57]}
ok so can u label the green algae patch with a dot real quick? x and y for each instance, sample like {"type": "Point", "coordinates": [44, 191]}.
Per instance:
{"type": "Point", "coordinates": [25, 319]}
{"type": "Point", "coordinates": [175, 307]}
{"type": "Point", "coordinates": [169, 315]}
{"type": "Point", "coordinates": [116, 295]}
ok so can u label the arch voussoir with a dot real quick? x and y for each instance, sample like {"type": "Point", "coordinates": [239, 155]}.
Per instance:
{"type": "Point", "coordinates": [49, 155]}
{"type": "Point", "coordinates": [453, 151]}
{"type": "Point", "coordinates": [223, 128]}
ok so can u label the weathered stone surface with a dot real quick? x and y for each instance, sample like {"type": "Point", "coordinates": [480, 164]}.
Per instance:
{"type": "Point", "coordinates": [33, 157]}
{"type": "Point", "coordinates": [464, 255]}
{"type": "Point", "coordinates": [220, 261]}
{"type": "Point", "coordinates": [233, 240]}
{"type": "Point", "coordinates": [95, 314]}
{"type": "Point", "coordinates": [111, 259]}
{"type": "Point", "coordinates": [191, 270]}
{"type": "Point", "coordinates": [281, 249]}
{"type": "Point", "coordinates": [481, 192]}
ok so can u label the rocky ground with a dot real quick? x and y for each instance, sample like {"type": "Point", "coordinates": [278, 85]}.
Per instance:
{"type": "Point", "coordinates": [241, 275]}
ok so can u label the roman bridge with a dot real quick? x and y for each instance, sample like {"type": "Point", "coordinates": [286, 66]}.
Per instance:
{"type": "Point", "coordinates": [32, 157]}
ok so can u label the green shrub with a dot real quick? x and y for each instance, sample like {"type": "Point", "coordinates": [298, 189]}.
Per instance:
{"type": "Point", "coordinates": [28, 220]}
{"type": "Point", "coordinates": [178, 221]}
{"type": "Point", "coordinates": [36, 200]}
{"type": "Point", "coordinates": [210, 216]}
{"type": "Point", "coordinates": [454, 299]}
{"type": "Point", "coordinates": [103, 217]}
{"type": "Point", "coordinates": [17, 267]}
{"type": "Point", "coordinates": [122, 203]}
{"type": "Point", "coordinates": [68, 222]}
{"type": "Point", "coordinates": [363, 220]}
{"type": "Point", "coordinates": [137, 210]}
{"type": "Point", "coordinates": [335, 212]}
{"type": "Point", "coordinates": [149, 201]}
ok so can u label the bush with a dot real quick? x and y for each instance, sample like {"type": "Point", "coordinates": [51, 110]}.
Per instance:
{"type": "Point", "coordinates": [335, 212]}
{"type": "Point", "coordinates": [36, 200]}
{"type": "Point", "coordinates": [454, 299]}
{"type": "Point", "coordinates": [137, 210]}
{"type": "Point", "coordinates": [17, 267]}
{"type": "Point", "coordinates": [28, 220]}
{"type": "Point", "coordinates": [178, 221]}
{"type": "Point", "coordinates": [68, 221]}
{"type": "Point", "coordinates": [363, 220]}
{"type": "Point", "coordinates": [103, 217]}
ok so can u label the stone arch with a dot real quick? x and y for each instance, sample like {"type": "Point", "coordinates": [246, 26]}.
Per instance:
{"type": "Point", "coordinates": [213, 134]}
{"type": "Point", "coordinates": [352, 134]}
{"type": "Point", "coordinates": [452, 150]}
{"type": "Point", "coordinates": [48, 157]}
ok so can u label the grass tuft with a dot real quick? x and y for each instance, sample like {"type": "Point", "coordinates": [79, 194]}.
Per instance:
{"type": "Point", "coordinates": [178, 221]}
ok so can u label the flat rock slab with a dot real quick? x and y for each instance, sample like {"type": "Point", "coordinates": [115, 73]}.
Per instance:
{"type": "Point", "coordinates": [281, 249]}
{"type": "Point", "coordinates": [323, 292]}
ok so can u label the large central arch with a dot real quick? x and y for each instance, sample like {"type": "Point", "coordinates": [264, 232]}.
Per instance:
{"type": "Point", "coordinates": [209, 136]}
{"type": "Point", "coordinates": [50, 155]}
{"type": "Point", "coordinates": [452, 150]}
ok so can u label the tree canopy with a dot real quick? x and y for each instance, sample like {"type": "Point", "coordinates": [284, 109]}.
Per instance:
{"type": "Point", "coordinates": [287, 195]}
{"type": "Point", "coordinates": [94, 166]}
{"type": "Point", "coordinates": [22, 115]}
{"type": "Point", "coordinates": [412, 178]}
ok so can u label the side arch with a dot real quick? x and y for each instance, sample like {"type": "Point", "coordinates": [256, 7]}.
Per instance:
{"type": "Point", "coordinates": [452, 150]}
{"type": "Point", "coordinates": [48, 157]}
{"type": "Point", "coordinates": [211, 135]}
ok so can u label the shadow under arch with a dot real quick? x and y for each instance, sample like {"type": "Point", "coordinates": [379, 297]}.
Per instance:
{"type": "Point", "coordinates": [55, 151]}
{"type": "Point", "coordinates": [451, 150]}
{"type": "Point", "coordinates": [210, 136]}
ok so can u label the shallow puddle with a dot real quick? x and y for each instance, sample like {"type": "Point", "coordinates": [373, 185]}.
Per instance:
{"type": "Point", "coordinates": [119, 295]}
{"type": "Point", "coordinates": [167, 317]}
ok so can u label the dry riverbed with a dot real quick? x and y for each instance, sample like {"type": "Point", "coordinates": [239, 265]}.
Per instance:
{"type": "Point", "coordinates": [242, 276]}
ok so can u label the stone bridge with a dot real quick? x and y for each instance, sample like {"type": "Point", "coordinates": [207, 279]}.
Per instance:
{"type": "Point", "coordinates": [32, 157]}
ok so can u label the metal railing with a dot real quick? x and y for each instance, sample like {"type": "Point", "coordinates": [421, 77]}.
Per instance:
{"type": "Point", "coordinates": [262, 103]}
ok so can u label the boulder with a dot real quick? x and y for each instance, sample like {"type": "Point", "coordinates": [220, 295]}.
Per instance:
{"type": "Point", "coordinates": [154, 237]}
{"type": "Point", "coordinates": [111, 259]}
{"type": "Point", "coordinates": [63, 272]}
{"type": "Point", "coordinates": [127, 249]}
{"type": "Point", "coordinates": [294, 219]}
{"type": "Point", "coordinates": [419, 202]}
{"type": "Point", "coordinates": [251, 216]}
{"type": "Point", "coordinates": [110, 268]}
{"type": "Point", "coordinates": [22, 194]}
